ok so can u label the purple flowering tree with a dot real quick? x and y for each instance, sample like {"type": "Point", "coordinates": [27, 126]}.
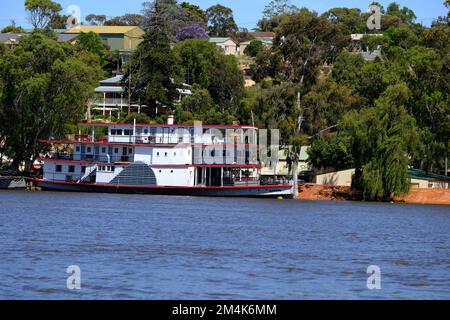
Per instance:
{"type": "Point", "coordinates": [192, 31]}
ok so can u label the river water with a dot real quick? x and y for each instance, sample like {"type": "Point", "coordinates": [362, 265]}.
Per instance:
{"type": "Point", "coordinates": [153, 247]}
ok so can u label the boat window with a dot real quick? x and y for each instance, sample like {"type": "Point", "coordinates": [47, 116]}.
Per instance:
{"type": "Point", "coordinates": [103, 150]}
{"type": "Point", "coordinates": [83, 169]}
{"type": "Point", "coordinates": [157, 154]}
{"type": "Point", "coordinates": [113, 132]}
{"type": "Point", "coordinates": [119, 132]}
{"type": "Point", "coordinates": [78, 149]}
{"type": "Point", "coordinates": [89, 149]}
{"type": "Point", "coordinates": [71, 169]}
{"type": "Point", "coordinates": [58, 168]}
{"type": "Point", "coordinates": [116, 150]}
{"type": "Point", "coordinates": [165, 154]}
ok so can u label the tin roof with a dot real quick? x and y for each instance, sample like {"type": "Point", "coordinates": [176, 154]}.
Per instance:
{"type": "Point", "coordinates": [103, 29]}
{"type": "Point", "coordinates": [423, 175]}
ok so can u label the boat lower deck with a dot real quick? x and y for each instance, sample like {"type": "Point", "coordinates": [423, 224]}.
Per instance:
{"type": "Point", "coordinates": [266, 191]}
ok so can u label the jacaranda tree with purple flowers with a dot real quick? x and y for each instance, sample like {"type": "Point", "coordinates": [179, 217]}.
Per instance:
{"type": "Point", "coordinates": [193, 31]}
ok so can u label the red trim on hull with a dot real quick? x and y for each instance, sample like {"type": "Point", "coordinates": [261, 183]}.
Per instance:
{"type": "Point", "coordinates": [284, 186]}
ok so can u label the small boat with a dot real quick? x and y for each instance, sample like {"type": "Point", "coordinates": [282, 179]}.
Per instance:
{"type": "Point", "coordinates": [163, 159]}
{"type": "Point", "coordinates": [9, 183]}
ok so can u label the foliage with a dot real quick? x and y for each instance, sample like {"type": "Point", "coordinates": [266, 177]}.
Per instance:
{"type": "Point", "coordinates": [153, 70]}
{"type": "Point", "coordinates": [203, 64]}
{"type": "Point", "coordinates": [92, 43]}
{"type": "Point", "coordinates": [12, 29]}
{"type": "Point", "coordinates": [43, 87]}
{"type": "Point", "coordinates": [254, 48]}
{"type": "Point", "coordinates": [41, 12]}
{"type": "Point", "coordinates": [139, 117]}
{"type": "Point", "coordinates": [192, 31]}
{"type": "Point", "coordinates": [221, 21]}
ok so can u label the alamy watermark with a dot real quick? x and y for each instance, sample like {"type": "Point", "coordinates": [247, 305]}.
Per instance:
{"type": "Point", "coordinates": [74, 279]}
{"type": "Point", "coordinates": [374, 21]}
{"type": "Point", "coordinates": [374, 279]}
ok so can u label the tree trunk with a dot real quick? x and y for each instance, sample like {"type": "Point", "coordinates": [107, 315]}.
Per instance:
{"type": "Point", "coordinates": [295, 176]}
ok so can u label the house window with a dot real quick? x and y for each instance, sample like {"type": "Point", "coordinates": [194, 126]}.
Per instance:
{"type": "Point", "coordinates": [58, 168]}
{"type": "Point", "coordinates": [71, 169]}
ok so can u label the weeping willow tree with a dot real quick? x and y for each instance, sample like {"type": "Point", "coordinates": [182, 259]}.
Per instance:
{"type": "Point", "coordinates": [383, 138]}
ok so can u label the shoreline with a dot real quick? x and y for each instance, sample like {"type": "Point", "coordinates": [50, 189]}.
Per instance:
{"type": "Point", "coordinates": [314, 192]}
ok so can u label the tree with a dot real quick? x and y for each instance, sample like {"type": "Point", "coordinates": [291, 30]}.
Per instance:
{"type": "Point", "coordinates": [167, 17]}
{"type": "Point", "coordinates": [221, 21]}
{"type": "Point", "coordinates": [203, 64]}
{"type": "Point", "coordinates": [96, 19]}
{"type": "Point", "coordinates": [383, 140]}
{"type": "Point", "coordinates": [351, 19]}
{"type": "Point", "coordinates": [41, 12]}
{"type": "Point", "coordinates": [44, 86]}
{"type": "Point", "coordinates": [274, 13]}
{"type": "Point", "coordinates": [254, 48]}
{"type": "Point", "coordinates": [152, 71]}
{"type": "Point", "coordinates": [405, 14]}
{"type": "Point", "coordinates": [197, 14]}
{"type": "Point", "coordinates": [277, 8]}
{"type": "Point", "coordinates": [12, 29]}
{"type": "Point", "coordinates": [91, 42]}
{"type": "Point", "coordinates": [128, 19]}
{"type": "Point", "coordinates": [193, 31]}
{"type": "Point", "coordinates": [304, 43]}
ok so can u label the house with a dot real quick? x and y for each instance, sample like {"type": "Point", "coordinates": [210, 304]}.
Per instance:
{"type": "Point", "coordinates": [112, 98]}
{"type": "Point", "coordinates": [228, 45]}
{"type": "Point", "coordinates": [419, 179]}
{"type": "Point", "coordinates": [10, 40]}
{"type": "Point", "coordinates": [116, 38]}
{"type": "Point", "coordinates": [357, 48]}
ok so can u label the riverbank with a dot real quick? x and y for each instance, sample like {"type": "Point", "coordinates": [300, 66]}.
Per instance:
{"type": "Point", "coordinates": [416, 196]}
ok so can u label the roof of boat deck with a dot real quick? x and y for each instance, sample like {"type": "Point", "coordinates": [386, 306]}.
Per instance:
{"type": "Point", "coordinates": [103, 124]}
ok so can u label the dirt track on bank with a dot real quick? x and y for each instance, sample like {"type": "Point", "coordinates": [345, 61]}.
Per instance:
{"type": "Point", "coordinates": [416, 196]}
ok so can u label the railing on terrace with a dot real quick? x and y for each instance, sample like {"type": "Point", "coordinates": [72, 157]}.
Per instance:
{"type": "Point", "coordinates": [90, 158]}
{"type": "Point", "coordinates": [147, 139]}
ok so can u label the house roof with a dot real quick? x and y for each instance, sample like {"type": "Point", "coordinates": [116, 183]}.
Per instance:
{"type": "Point", "coordinates": [114, 80]}
{"type": "Point", "coordinates": [103, 29]}
{"type": "Point", "coordinates": [104, 89]}
{"type": "Point", "coordinates": [269, 35]}
{"type": "Point", "coordinates": [423, 175]}
{"type": "Point", "coordinates": [219, 40]}
{"type": "Point", "coordinates": [13, 37]}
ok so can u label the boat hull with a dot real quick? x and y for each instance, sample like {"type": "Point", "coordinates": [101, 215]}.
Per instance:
{"type": "Point", "coordinates": [275, 191]}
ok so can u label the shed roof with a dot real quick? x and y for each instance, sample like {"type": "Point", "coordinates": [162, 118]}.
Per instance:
{"type": "Point", "coordinates": [423, 175]}
{"type": "Point", "coordinates": [103, 29]}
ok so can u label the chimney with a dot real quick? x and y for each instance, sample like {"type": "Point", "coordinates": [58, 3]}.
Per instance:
{"type": "Point", "coordinates": [171, 120]}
